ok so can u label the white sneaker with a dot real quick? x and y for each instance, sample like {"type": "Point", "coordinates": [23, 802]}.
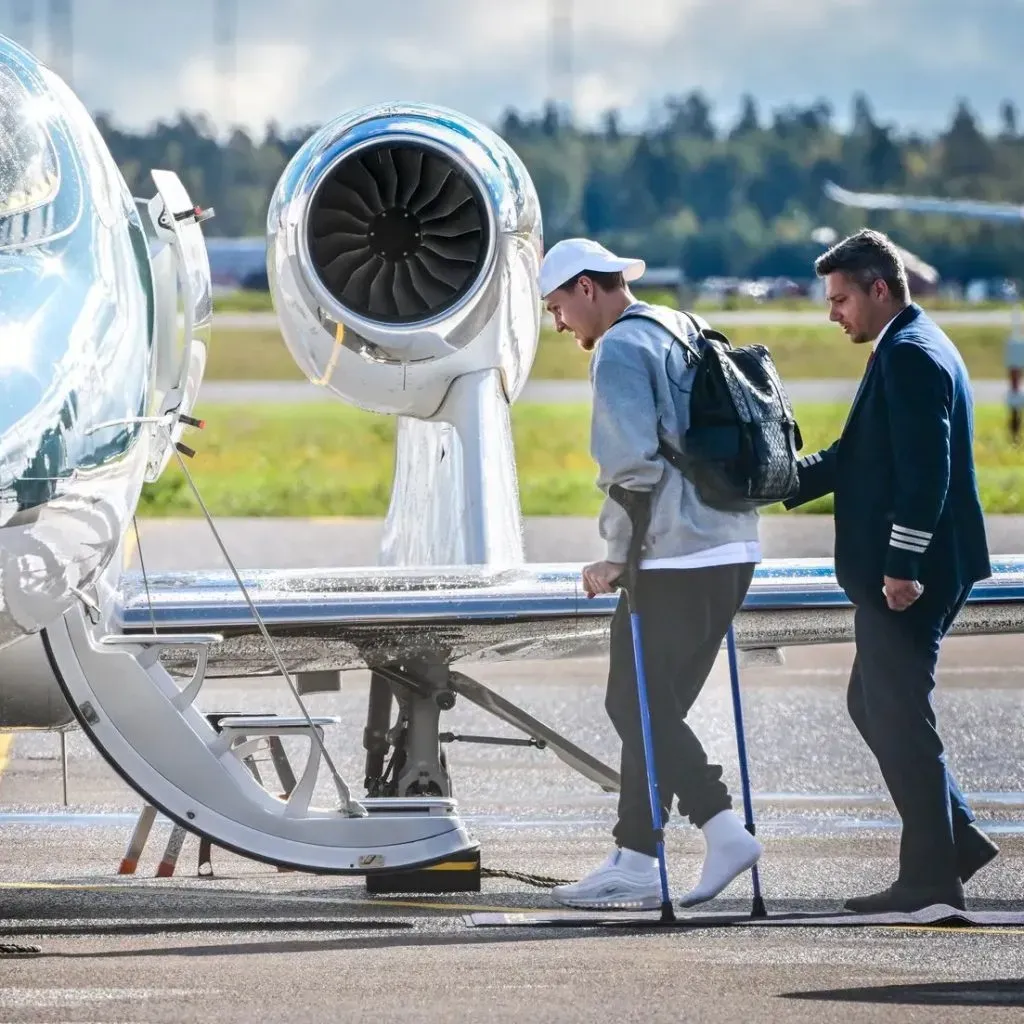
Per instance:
{"type": "Point", "coordinates": [627, 880]}
{"type": "Point", "coordinates": [730, 850]}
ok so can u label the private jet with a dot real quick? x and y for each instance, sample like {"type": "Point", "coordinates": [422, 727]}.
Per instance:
{"type": "Point", "coordinates": [403, 245]}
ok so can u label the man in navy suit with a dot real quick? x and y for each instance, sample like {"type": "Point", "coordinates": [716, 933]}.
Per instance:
{"type": "Point", "coordinates": [909, 544]}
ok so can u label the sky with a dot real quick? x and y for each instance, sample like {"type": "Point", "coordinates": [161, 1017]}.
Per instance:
{"type": "Point", "coordinates": [301, 62]}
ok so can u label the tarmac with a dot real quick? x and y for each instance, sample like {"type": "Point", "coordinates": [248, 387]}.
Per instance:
{"type": "Point", "coordinates": [253, 943]}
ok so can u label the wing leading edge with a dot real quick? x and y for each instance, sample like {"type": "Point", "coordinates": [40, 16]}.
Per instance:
{"type": "Point", "coordinates": [362, 617]}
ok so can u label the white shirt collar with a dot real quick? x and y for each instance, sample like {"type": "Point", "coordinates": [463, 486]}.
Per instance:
{"type": "Point", "coordinates": [882, 331]}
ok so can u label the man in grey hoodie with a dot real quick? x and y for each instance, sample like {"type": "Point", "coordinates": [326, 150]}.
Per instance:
{"type": "Point", "coordinates": [695, 569]}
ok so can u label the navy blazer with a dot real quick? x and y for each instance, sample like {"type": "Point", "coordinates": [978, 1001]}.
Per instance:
{"type": "Point", "coordinates": [906, 494]}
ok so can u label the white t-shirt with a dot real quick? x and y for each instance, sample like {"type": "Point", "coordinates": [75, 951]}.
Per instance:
{"type": "Point", "coordinates": [724, 554]}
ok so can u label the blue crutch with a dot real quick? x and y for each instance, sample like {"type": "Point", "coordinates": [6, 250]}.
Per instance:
{"type": "Point", "coordinates": [758, 909]}
{"type": "Point", "coordinates": [638, 507]}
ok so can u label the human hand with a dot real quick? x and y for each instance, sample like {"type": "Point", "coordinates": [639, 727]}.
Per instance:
{"type": "Point", "coordinates": [901, 594]}
{"type": "Point", "coordinates": [600, 577]}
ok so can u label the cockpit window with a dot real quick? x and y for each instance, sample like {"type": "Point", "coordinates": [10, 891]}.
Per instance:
{"type": "Point", "coordinates": [29, 173]}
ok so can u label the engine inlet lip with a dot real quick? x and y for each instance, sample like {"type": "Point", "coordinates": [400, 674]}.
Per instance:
{"type": "Point", "coordinates": [311, 189]}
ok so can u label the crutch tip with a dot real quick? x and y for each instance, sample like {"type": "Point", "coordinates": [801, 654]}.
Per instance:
{"type": "Point", "coordinates": [759, 909]}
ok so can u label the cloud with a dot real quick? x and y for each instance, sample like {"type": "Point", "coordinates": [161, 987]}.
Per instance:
{"type": "Point", "coordinates": [307, 60]}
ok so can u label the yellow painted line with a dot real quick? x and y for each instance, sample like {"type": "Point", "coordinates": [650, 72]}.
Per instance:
{"type": "Point", "coordinates": [6, 742]}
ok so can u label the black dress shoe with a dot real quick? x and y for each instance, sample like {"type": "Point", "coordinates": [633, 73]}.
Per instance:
{"type": "Point", "coordinates": [905, 899]}
{"type": "Point", "coordinates": [974, 850]}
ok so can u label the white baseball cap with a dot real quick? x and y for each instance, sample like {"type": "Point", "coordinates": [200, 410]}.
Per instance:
{"type": "Point", "coordinates": [572, 256]}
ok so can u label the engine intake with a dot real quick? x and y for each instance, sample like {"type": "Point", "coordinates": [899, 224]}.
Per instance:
{"type": "Point", "coordinates": [403, 247]}
{"type": "Point", "coordinates": [398, 233]}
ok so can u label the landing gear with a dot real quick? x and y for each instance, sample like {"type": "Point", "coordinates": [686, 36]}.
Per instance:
{"type": "Point", "coordinates": [418, 765]}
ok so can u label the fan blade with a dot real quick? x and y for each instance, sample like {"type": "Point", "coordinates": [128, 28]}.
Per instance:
{"type": "Point", "coordinates": [382, 299]}
{"type": "Point", "coordinates": [465, 248]}
{"type": "Point", "coordinates": [432, 290]}
{"type": "Point", "coordinates": [454, 196]}
{"type": "Point", "coordinates": [346, 240]}
{"type": "Point", "coordinates": [432, 182]}
{"type": "Point", "coordinates": [358, 176]}
{"type": "Point", "coordinates": [453, 275]}
{"type": "Point", "coordinates": [465, 218]}
{"type": "Point", "coordinates": [338, 195]}
{"type": "Point", "coordinates": [336, 221]}
{"type": "Point", "coordinates": [409, 163]}
{"type": "Point", "coordinates": [407, 297]}
{"type": "Point", "coordinates": [463, 223]}
{"type": "Point", "coordinates": [382, 164]}
{"type": "Point", "coordinates": [327, 253]}
{"type": "Point", "coordinates": [361, 279]}
{"type": "Point", "coordinates": [345, 263]}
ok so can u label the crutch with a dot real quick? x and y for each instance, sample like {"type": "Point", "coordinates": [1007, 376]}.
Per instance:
{"type": "Point", "coordinates": [637, 505]}
{"type": "Point", "coordinates": [758, 908]}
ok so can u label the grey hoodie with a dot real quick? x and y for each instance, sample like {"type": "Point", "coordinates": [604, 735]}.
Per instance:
{"type": "Point", "coordinates": [633, 403]}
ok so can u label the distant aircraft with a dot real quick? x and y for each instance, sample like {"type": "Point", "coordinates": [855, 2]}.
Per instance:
{"type": "Point", "coordinates": [977, 209]}
{"type": "Point", "coordinates": [974, 209]}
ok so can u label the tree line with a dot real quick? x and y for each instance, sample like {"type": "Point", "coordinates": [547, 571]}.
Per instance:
{"type": "Point", "coordinates": [685, 191]}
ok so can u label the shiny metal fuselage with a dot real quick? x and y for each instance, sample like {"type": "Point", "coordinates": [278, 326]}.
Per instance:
{"type": "Point", "coordinates": [76, 327]}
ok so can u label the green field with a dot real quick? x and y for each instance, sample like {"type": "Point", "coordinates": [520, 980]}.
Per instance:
{"type": "Point", "coordinates": [801, 352]}
{"type": "Point", "coordinates": [332, 460]}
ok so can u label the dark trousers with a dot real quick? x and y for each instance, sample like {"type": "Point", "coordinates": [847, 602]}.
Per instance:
{"type": "Point", "coordinates": [684, 616]}
{"type": "Point", "coordinates": [890, 702]}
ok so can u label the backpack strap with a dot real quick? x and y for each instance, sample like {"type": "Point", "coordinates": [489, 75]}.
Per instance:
{"type": "Point", "coordinates": [707, 334]}
{"type": "Point", "coordinates": [666, 322]}
{"type": "Point", "coordinates": [680, 460]}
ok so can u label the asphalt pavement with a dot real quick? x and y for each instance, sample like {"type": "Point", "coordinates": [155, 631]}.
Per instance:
{"type": "Point", "coordinates": [253, 943]}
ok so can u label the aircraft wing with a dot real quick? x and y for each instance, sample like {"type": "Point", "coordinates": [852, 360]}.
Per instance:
{"type": "Point", "coordinates": [365, 617]}
{"type": "Point", "coordinates": [977, 209]}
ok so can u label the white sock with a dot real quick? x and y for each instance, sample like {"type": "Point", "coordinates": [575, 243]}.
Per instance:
{"type": "Point", "coordinates": [635, 862]}
{"type": "Point", "coordinates": [729, 851]}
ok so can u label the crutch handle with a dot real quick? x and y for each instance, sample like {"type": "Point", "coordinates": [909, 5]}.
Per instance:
{"type": "Point", "coordinates": [637, 505]}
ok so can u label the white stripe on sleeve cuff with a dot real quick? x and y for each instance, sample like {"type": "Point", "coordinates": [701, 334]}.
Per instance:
{"type": "Point", "coordinates": [910, 540]}
{"type": "Point", "coordinates": [908, 547]}
{"type": "Point", "coordinates": [904, 531]}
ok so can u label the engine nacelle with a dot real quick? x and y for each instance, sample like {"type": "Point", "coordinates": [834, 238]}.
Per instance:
{"type": "Point", "coordinates": [404, 243]}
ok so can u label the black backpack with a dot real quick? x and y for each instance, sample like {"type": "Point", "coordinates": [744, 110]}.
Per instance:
{"type": "Point", "coordinates": [740, 449]}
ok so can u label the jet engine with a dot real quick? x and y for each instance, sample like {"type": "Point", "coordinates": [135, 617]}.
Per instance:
{"type": "Point", "coordinates": [403, 248]}
{"type": "Point", "coordinates": [404, 243]}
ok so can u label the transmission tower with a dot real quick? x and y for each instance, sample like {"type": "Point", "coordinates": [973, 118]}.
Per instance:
{"type": "Point", "coordinates": [225, 41]}
{"type": "Point", "coordinates": [560, 71]}
{"type": "Point", "coordinates": [62, 39]}
{"type": "Point", "coordinates": [23, 15]}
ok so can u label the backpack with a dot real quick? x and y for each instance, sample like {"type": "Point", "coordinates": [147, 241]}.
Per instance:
{"type": "Point", "coordinates": [740, 449]}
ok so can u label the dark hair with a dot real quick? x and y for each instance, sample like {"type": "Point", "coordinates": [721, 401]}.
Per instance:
{"type": "Point", "coordinates": [866, 257]}
{"type": "Point", "coordinates": [606, 280]}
